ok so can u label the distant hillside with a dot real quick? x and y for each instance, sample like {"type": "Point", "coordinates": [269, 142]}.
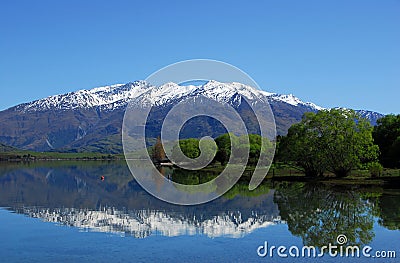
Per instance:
{"type": "Point", "coordinates": [6, 148]}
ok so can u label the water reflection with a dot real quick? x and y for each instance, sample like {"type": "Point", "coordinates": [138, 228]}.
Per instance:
{"type": "Point", "coordinates": [143, 223]}
{"type": "Point", "coordinates": [71, 193]}
{"type": "Point", "coordinates": [389, 209]}
{"type": "Point", "coordinates": [318, 213]}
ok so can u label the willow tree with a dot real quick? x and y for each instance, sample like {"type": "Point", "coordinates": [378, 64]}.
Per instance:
{"type": "Point", "coordinates": [346, 140]}
{"type": "Point", "coordinates": [302, 146]}
{"type": "Point", "coordinates": [336, 140]}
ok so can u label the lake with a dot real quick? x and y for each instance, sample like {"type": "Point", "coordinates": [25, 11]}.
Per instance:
{"type": "Point", "coordinates": [63, 212]}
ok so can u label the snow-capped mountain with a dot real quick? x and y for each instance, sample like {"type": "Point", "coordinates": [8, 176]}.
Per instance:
{"type": "Point", "coordinates": [107, 97]}
{"type": "Point", "coordinates": [90, 119]}
{"type": "Point", "coordinates": [292, 100]}
{"type": "Point", "coordinates": [118, 95]}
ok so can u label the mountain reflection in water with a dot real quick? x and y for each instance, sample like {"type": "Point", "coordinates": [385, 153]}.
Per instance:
{"type": "Point", "coordinates": [143, 223]}
{"type": "Point", "coordinates": [71, 193]}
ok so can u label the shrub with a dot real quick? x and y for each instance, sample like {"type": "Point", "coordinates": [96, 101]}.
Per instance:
{"type": "Point", "coordinates": [375, 169]}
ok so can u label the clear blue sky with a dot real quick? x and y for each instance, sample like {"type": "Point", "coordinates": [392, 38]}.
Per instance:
{"type": "Point", "coordinates": [333, 53]}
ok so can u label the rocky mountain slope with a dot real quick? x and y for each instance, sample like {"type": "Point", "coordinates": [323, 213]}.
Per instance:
{"type": "Point", "coordinates": [91, 120]}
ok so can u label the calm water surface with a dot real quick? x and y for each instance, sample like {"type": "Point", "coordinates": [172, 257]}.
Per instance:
{"type": "Point", "coordinates": [63, 212]}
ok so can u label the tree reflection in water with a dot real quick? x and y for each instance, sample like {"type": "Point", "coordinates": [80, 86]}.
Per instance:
{"type": "Point", "coordinates": [389, 209]}
{"type": "Point", "coordinates": [318, 213]}
{"type": "Point", "coordinates": [315, 212]}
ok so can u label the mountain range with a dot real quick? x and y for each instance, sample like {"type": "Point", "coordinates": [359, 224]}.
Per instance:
{"type": "Point", "coordinates": [91, 120]}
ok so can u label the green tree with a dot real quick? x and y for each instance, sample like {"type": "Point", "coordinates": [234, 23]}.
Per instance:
{"type": "Point", "coordinates": [257, 148]}
{"type": "Point", "coordinates": [336, 140]}
{"type": "Point", "coordinates": [189, 147]}
{"type": "Point", "coordinates": [302, 145]}
{"type": "Point", "coordinates": [387, 135]}
{"type": "Point", "coordinates": [346, 140]}
{"type": "Point", "coordinates": [193, 148]}
{"type": "Point", "coordinates": [375, 169]}
{"type": "Point", "coordinates": [224, 147]}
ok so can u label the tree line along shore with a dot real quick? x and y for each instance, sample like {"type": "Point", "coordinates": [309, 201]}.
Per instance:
{"type": "Point", "coordinates": [328, 144]}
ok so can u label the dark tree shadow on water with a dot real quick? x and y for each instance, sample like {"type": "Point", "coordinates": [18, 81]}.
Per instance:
{"type": "Point", "coordinates": [389, 209]}
{"type": "Point", "coordinates": [318, 213]}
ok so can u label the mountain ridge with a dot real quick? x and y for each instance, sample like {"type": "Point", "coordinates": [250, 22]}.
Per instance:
{"type": "Point", "coordinates": [76, 120]}
{"type": "Point", "coordinates": [122, 93]}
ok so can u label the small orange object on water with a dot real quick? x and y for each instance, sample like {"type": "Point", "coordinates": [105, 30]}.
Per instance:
{"type": "Point", "coordinates": [102, 177]}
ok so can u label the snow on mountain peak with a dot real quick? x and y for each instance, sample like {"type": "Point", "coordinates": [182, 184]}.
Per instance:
{"type": "Point", "coordinates": [119, 95]}
{"type": "Point", "coordinates": [291, 99]}
{"type": "Point", "coordinates": [100, 96]}
{"type": "Point", "coordinates": [105, 88]}
{"type": "Point", "coordinates": [162, 94]}
{"type": "Point", "coordinates": [224, 91]}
